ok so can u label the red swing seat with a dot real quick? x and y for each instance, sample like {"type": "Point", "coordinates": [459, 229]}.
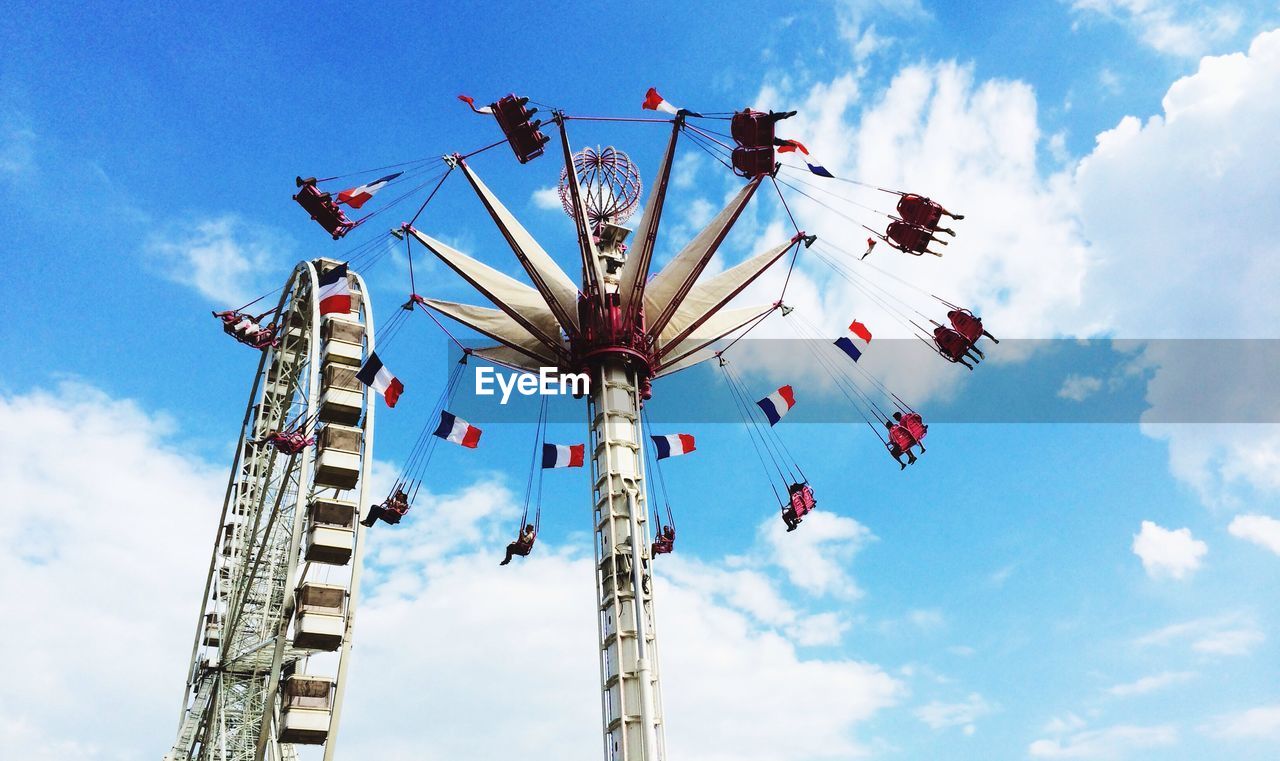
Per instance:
{"type": "Point", "coordinates": [920, 211]}
{"type": "Point", "coordinates": [908, 237]}
{"type": "Point", "coordinates": [323, 208]}
{"type": "Point", "coordinates": [966, 324]}
{"type": "Point", "coordinates": [802, 501]}
{"type": "Point", "coordinates": [753, 162]}
{"type": "Point", "coordinates": [952, 345]}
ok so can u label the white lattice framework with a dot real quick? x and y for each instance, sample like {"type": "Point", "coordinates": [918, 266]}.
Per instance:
{"type": "Point", "coordinates": [278, 609]}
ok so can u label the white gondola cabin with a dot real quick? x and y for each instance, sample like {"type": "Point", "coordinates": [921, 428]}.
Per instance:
{"type": "Point", "coordinates": [343, 341]}
{"type": "Point", "coordinates": [212, 630]}
{"type": "Point", "coordinates": [319, 618]}
{"type": "Point", "coordinates": [338, 459]}
{"type": "Point", "coordinates": [331, 531]}
{"type": "Point", "coordinates": [306, 707]}
{"type": "Point", "coordinates": [341, 395]}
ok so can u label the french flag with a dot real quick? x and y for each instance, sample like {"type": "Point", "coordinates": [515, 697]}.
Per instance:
{"type": "Point", "coordinates": [335, 294]}
{"type": "Point", "coordinates": [457, 430]}
{"type": "Point", "coordinates": [376, 376]}
{"type": "Point", "coordinates": [470, 101]}
{"type": "Point", "coordinates": [562, 456]}
{"type": "Point", "coordinates": [790, 146]}
{"type": "Point", "coordinates": [355, 197]}
{"type": "Point", "coordinates": [655, 102]}
{"type": "Point", "coordinates": [847, 347]}
{"type": "Point", "coordinates": [674, 445]}
{"type": "Point", "coordinates": [793, 146]}
{"type": "Point", "coordinates": [777, 404]}
{"type": "Point", "coordinates": [819, 170]}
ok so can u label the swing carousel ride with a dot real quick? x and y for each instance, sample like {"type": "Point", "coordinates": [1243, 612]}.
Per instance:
{"type": "Point", "coordinates": [269, 661]}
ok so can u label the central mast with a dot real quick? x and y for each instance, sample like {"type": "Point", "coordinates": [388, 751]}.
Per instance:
{"type": "Point", "coordinates": [630, 697]}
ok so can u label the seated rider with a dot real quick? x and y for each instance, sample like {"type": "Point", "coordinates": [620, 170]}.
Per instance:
{"type": "Point", "coordinates": [801, 501]}
{"type": "Point", "coordinates": [910, 238]}
{"type": "Point", "coordinates": [390, 511]}
{"type": "Point", "coordinates": [924, 212]}
{"type": "Point", "coordinates": [248, 330]}
{"type": "Point", "coordinates": [914, 425]}
{"type": "Point", "coordinates": [288, 442]}
{"type": "Point", "coordinates": [900, 443]}
{"type": "Point", "coordinates": [954, 346]}
{"type": "Point", "coordinates": [523, 544]}
{"type": "Point", "coordinates": [265, 338]}
{"type": "Point", "coordinates": [666, 541]}
{"type": "Point", "coordinates": [968, 325]}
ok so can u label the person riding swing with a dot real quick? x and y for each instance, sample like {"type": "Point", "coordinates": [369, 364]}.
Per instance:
{"type": "Point", "coordinates": [391, 510]}
{"type": "Point", "coordinates": [800, 504]}
{"type": "Point", "coordinates": [523, 544]}
{"type": "Point", "coordinates": [665, 542]}
{"type": "Point", "coordinates": [900, 442]}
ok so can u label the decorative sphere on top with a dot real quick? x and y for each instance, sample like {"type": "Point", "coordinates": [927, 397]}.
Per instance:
{"type": "Point", "coordinates": [609, 185]}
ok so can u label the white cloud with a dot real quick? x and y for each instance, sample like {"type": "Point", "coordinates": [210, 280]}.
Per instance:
{"type": "Point", "coordinates": [1143, 207]}
{"type": "Point", "coordinates": [1154, 197]}
{"type": "Point", "coordinates": [103, 548]}
{"type": "Point", "coordinates": [1061, 725]}
{"type": "Point", "coordinates": [851, 13]}
{"type": "Point", "coordinates": [1110, 743]}
{"type": "Point", "coordinates": [728, 659]}
{"type": "Point", "coordinates": [1167, 26]}
{"type": "Point", "coordinates": [684, 172]}
{"type": "Point", "coordinates": [1262, 530]}
{"type": "Point", "coordinates": [1260, 723]}
{"type": "Point", "coordinates": [927, 618]}
{"type": "Point", "coordinates": [1077, 388]}
{"type": "Point", "coordinates": [1109, 81]}
{"type": "Point", "coordinates": [972, 144]}
{"type": "Point", "coordinates": [940, 715]}
{"type": "Point", "coordinates": [1150, 684]}
{"type": "Point", "coordinates": [547, 198]}
{"type": "Point", "coordinates": [1168, 554]}
{"type": "Point", "coordinates": [1229, 642]}
{"type": "Point", "coordinates": [226, 259]}
{"type": "Point", "coordinates": [1230, 634]}
{"type": "Point", "coordinates": [868, 43]}
{"type": "Point", "coordinates": [817, 555]}
{"type": "Point", "coordinates": [105, 487]}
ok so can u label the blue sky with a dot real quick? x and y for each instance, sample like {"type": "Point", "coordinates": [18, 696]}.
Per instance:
{"type": "Point", "coordinates": [1026, 591]}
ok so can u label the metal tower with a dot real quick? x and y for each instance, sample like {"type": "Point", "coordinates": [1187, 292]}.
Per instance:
{"type": "Point", "coordinates": [625, 330]}
{"type": "Point", "coordinates": [269, 661]}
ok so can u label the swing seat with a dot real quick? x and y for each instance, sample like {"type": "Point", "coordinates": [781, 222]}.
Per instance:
{"type": "Point", "coordinates": [966, 324]}
{"type": "Point", "coordinates": [952, 345]}
{"type": "Point", "coordinates": [753, 162]}
{"type": "Point", "coordinates": [915, 426]}
{"type": "Point", "coordinates": [802, 501]}
{"type": "Point", "coordinates": [246, 329]}
{"type": "Point", "coordinates": [290, 442]}
{"type": "Point", "coordinates": [908, 237]}
{"type": "Point", "coordinates": [662, 547]}
{"type": "Point", "coordinates": [322, 208]}
{"type": "Point", "coordinates": [521, 547]}
{"type": "Point", "coordinates": [755, 129]}
{"type": "Point", "coordinates": [920, 211]}
{"type": "Point", "coordinates": [265, 338]}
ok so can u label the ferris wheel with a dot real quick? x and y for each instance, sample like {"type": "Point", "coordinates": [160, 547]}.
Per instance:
{"type": "Point", "coordinates": [269, 661]}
